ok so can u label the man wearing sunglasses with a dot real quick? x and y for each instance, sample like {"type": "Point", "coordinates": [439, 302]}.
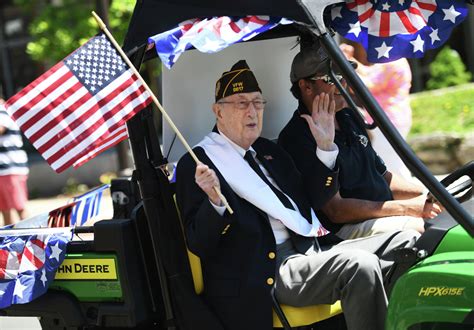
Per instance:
{"type": "Point", "coordinates": [370, 200]}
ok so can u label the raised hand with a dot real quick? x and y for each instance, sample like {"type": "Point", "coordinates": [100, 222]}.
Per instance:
{"type": "Point", "coordinates": [321, 121]}
{"type": "Point", "coordinates": [207, 179]}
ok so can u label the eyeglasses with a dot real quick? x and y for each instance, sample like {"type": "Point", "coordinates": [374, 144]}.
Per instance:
{"type": "Point", "coordinates": [327, 79]}
{"type": "Point", "coordinates": [244, 105]}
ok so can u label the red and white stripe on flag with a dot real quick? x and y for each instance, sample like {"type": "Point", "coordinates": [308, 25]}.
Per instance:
{"type": "Point", "coordinates": [80, 106]}
{"type": "Point", "coordinates": [9, 264]}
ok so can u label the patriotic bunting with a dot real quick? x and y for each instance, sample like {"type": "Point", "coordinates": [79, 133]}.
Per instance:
{"type": "Point", "coordinates": [392, 29]}
{"type": "Point", "coordinates": [61, 217]}
{"type": "Point", "coordinates": [87, 205]}
{"type": "Point", "coordinates": [210, 35]}
{"type": "Point", "coordinates": [28, 262]}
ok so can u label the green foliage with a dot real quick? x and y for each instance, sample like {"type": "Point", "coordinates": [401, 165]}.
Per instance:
{"type": "Point", "coordinates": [444, 110]}
{"type": "Point", "coordinates": [107, 177]}
{"type": "Point", "coordinates": [57, 30]}
{"type": "Point", "coordinates": [447, 70]}
{"type": "Point", "coordinates": [74, 188]}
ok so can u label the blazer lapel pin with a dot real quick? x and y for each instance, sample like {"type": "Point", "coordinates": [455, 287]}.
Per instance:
{"type": "Point", "coordinates": [268, 157]}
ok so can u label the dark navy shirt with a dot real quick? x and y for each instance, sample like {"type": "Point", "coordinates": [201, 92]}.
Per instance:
{"type": "Point", "coordinates": [361, 170]}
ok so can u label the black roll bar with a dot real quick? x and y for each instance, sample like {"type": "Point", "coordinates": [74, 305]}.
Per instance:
{"type": "Point", "coordinates": [147, 157]}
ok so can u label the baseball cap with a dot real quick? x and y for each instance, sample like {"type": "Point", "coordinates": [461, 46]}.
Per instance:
{"type": "Point", "coordinates": [310, 61]}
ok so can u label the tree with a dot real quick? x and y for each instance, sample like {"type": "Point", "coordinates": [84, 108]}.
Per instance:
{"type": "Point", "coordinates": [447, 69]}
{"type": "Point", "coordinates": [61, 26]}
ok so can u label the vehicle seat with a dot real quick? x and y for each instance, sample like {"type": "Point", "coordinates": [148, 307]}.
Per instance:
{"type": "Point", "coordinates": [296, 316]}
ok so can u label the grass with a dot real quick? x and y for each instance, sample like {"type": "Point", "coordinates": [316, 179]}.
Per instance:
{"type": "Point", "coordinates": [444, 110]}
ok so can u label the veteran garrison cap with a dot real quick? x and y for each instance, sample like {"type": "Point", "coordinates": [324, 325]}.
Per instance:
{"type": "Point", "coordinates": [239, 79]}
{"type": "Point", "coordinates": [310, 61]}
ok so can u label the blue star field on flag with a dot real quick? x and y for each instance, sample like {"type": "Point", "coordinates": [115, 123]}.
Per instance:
{"type": "Point", "coordinates": [392, 29]}
{"type": "Point", "coordinates": [96, 64]}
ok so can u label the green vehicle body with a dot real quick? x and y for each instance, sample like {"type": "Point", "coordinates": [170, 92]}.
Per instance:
{"type": "Point", "coordinates": [457, 239]}
{"type": "Point", "coordinates": [143, 242]}
{"type": "Point", "coordinates": [438, 290]}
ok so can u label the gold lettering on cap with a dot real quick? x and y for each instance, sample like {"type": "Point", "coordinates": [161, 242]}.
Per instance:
{"type": "Point", "coordinates": [238, 87]}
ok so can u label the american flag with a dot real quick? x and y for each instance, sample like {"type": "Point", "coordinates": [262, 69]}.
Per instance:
{"type": "Point", "coordinates": [61, 217]}
{"type": "Point", "coordinates": [87, 205]}
{"type": "Point", "coordinates": [79, 107]}
{"type": "Point", "coordinates": [392, 29]}
{"type": "Point", "coordinates": [210, 35]}
{"type": "Point", "coordinates": [28, 262]}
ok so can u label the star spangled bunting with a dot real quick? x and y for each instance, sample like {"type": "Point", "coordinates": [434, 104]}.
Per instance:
{"type": "Point", "coordinates": [61, 217]}
{"type": "Point", "coordinates": [87, 205]}
{"type": "Point", "coordinates": [210, 35]}
{"type": "Point", "coordinates": [392, 29]}
{"type": "Point", "coordinates": [80, 106]}
{"type": "Point", "coordinates": [28, 262]}
{"type": "Point", "coordinates": [75, 213]}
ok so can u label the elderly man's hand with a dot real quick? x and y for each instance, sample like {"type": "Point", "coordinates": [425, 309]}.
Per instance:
{"type": "Point", "coordinates": [207, 179]}
{"type": "Point", "coordinates": [321, 121]}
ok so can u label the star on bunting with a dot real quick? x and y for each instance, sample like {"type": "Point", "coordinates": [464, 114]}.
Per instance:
{"type": "Point", "coordinates": [434, 36]}
{"type": "Point", "coordinates": [355, 28]}
{"type": "Point", "coordinates": [383, 50]}
{"type": "Point", "coordinates": [451, 14]}
{"type": "Point", "coordinates": [417, 44]}
{"type": "Point", "coordinates": [43, 277]}
{"type": "Point", "coordinates": [55, 251]}
{"type": "Point", "coordinates": [19, 288]}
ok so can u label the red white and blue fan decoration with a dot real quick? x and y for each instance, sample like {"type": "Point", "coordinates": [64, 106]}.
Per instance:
{"type": "Point", "coordinates": [210, 35]}
{"type": "Point", "coordinates": [392, 29]}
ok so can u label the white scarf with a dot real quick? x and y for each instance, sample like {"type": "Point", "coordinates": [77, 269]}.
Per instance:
{"type": "Point", "coordinates": [248, 185]}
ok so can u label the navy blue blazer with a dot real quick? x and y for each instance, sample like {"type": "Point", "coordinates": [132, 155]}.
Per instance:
{"type": "Point", "coordinates": [238, 251]}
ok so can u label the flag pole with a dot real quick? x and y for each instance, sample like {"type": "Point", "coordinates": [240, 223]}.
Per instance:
{"type": "Point", "coordinates": [157, 103]}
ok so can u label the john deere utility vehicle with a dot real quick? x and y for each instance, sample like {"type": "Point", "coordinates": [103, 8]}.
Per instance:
{"type": "Point", "coordinates": [134, 271]}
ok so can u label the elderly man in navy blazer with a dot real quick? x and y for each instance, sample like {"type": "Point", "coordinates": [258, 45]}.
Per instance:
{"type": "Point", "coordinates": [273, 237]}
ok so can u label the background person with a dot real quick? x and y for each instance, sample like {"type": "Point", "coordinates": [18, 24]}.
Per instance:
{"type": "Point", "coordinates": [390, 85]}
{"type": "Point", "coordinates": [13, 169]}
{"type": "Point", "coordinates": [371, 199]}
{"type": "Point", "coordinates": [273, 238]}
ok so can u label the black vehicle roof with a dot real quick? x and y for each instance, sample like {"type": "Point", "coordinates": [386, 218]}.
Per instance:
{"type": "Point", "coordinates": [151, 17]}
